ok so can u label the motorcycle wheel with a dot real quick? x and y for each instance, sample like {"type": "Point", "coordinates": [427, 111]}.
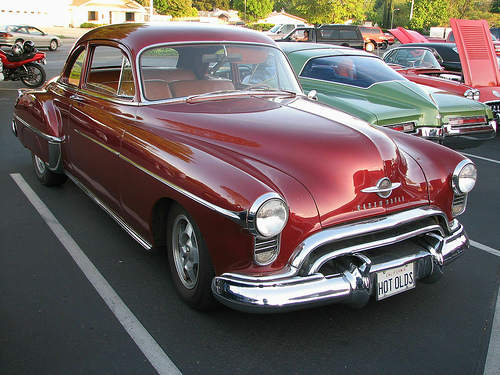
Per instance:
{"type": "Point", "coordinates": [36, 75]}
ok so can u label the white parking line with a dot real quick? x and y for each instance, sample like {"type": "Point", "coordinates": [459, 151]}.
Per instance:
{"type": "Point", "coordinates": [492, 365]}
{"type": "Point", "coordinates": [482, 158]}
{"type": "Point", "coordinates": [153, 352]}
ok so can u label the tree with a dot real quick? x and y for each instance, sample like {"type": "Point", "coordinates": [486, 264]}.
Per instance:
{"type": "Point", "coordinates": [175, 8]}
{"type": "Point", "coordinates": [255, 9]}
{"type": "Point", "coordinates": [429, 13]}
{"type": "Point", "coordinates": [211, 4]}
{"type": "Point", "coordinates": [330, 11]}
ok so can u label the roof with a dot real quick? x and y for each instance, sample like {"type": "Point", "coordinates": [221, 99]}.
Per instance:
{"type": "Point", "coordinates": [122, 4]}
{"type": "Point", "coordinates": [280, 15]}
{"type": "Point", "coordinates": [140, 35]}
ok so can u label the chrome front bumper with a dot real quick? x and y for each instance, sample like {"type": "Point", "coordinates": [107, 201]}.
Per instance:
{"type": "Point", "coordinates": [430, 252]}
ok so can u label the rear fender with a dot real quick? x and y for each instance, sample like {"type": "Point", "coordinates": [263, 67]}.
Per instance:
{"type": "Point", "coordinates": [38, 125]}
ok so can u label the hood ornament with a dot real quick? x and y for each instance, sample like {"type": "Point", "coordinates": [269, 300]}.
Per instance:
{"type": "Point", "coordinates": [383, 188]}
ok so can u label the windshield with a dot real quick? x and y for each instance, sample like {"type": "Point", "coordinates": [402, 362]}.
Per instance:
{"type": "Point", "coordinates": [187, 70]}
{"type": "Point", "coordinates": [361, 71]}
{"type": "Point", "coordinates": [413, 58]}
{"type": "Point", "coordinates": [274, 29]}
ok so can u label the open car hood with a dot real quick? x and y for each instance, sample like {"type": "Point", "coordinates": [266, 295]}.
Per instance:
{"type": "Point", "coordinates": [408, 36]}
{"type": "Point", "coordinates": [476, 51]}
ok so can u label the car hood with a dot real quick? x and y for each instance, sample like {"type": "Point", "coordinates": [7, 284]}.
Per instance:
{"type": "Point", "coordinates": [334, 160]}
{"type": "Point", "coordinates": [384, 103]}
{"type": "Point", "coordinates": [476, 51]}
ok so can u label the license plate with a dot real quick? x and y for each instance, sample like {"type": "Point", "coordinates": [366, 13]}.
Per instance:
{"type": "Point", "coordinates": [395, 280]}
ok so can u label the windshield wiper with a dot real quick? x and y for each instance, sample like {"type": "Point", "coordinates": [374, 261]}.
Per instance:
{"type": "Point", "coordinates": [228, 94]}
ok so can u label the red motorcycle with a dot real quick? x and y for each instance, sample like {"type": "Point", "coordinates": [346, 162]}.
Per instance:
{"type": "Point", "coordinates": [23, 63]}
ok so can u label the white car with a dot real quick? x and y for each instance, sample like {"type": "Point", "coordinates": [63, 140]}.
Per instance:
{"type": "Point", "coordinates": [12, 34]}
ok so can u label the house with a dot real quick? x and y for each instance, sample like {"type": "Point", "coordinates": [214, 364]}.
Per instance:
{"type": "Point", "coordinates": [227, 17]}
{"type": "Point", "coordinates": [35, 12]}
{"type": "Point", "coordinates": [282, 17]}
{"type": "Point", "coordinates": [105, 12]}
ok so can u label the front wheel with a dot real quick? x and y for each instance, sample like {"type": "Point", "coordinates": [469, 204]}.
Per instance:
{"type": "Point", "coordinates": [35, 75]}
{"type": "Point", "coordinates": [46, 176]}
{"type": "Point", "coordinates": [189, 261]}
{"type": "Point", "coordinates": [53, 45]}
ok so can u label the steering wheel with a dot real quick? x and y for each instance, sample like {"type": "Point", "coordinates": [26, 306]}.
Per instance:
{"type": "Point", "coordinates": [416, 63]}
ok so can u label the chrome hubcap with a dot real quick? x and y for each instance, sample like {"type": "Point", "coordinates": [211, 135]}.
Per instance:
{"type": "Point", "coordinates": [185, 251]}
{"type": "Point", "coordinates": [40, 165]}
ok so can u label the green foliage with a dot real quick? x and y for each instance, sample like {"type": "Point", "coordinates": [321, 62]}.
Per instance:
{"type": "Point", "coordinates": [260, 26]}
{"type": "Point", "coordinates": [211, 4]}
{"type": "Point", "coordinates": [175, 8]}
{"type": "Point", "coordinates": [90, 25]}
{"type": "Point", "coordinates": [255, 9]}
{"type": "Point", "coordinates": [429, 13]}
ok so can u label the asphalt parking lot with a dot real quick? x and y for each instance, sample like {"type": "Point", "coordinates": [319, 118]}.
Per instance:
{"type": "Point", "coordinates": [79, 296]}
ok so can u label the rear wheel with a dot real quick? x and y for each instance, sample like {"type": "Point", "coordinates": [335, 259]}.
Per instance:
{"type": "Point", "coordinates": [384, 45]}
{"type": "Point", "coordinates": [189, 261]}
{"type": "Point", "coordinates": [46, 176]}
{"type": "Point", "coordinates": [370, 47]}
{"type": "Point", "coordinates": [35, 76]}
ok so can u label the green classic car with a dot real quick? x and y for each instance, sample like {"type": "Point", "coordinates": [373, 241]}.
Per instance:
{"type": "Point", "coordinates": [361, 84]}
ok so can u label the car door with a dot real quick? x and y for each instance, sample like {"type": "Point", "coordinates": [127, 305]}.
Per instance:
{"type": "Point", "coordinates": [38, 36]}
{"type": "Point", "coordinates": [100, 111]}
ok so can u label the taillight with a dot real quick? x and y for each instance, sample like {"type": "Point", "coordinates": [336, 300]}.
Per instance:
{"type": "Point", "coordinates": [406, 127]}
{"type": "Point", "coordinates": [472, 120]}
{"type": "Point", "coordinates": [5, 35]}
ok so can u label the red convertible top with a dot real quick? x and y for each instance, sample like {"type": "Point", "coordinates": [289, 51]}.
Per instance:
{"type": "Point", "coordinates": [476, 51]}
{"type": "Point", "coordinates": [408, 36]}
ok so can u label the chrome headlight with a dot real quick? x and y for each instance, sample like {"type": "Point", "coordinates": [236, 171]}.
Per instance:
{"type": "Point", "coordinates": [464, 177]}
{"type": "Point", "coordinates": [472, 94]}
{"type": "Point", "coordinates": [268, 215]}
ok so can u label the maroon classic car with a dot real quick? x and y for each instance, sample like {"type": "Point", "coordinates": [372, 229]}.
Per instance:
{"type": "Point", "coordinates": [198, 140]}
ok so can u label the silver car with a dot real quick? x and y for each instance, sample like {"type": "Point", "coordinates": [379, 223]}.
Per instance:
{"type": "Point", "coordinates": [12, 34]}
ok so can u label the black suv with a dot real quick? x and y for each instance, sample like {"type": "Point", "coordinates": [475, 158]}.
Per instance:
{"type": "Point", "coordinates": [342, 35]}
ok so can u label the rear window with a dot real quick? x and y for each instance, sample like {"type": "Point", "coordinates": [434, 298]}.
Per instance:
{"type": "Point", "coordinates": [360, 71]}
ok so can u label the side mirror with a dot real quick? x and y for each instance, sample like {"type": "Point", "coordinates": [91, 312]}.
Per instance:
{"type": "Point", "coordinates": [312, 95]}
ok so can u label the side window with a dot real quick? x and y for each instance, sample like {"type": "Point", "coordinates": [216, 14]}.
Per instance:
{"type": "Point", "coordinates": [348, 34]}
{"type": "Point", "coordinates": [111, 73]}
{"type": "Point", "coordinates": [76, 70]}
{"type": "Point", "coordinates": [34, 31]}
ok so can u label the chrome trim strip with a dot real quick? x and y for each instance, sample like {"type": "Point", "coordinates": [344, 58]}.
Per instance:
{"type": "Point", "coordinates": [38, 132]}
{"type": "Point", "coordinates": [143, 242]}
{"type": "Point", "coordinates": [238, 217]}
{"type": "Point", "coordinates": [114, 152]}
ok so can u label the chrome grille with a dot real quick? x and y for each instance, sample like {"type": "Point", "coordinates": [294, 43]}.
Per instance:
{"type": "Point", "coordinates": [495, 107]}
{"type": "Point", "coordinates": [459, 203]}
{"type": "Point", "coordinates": [266, 244]}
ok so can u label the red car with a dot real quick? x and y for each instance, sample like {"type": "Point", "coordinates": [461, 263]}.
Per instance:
{"type": "Point", "coordinates": [479, 78]}
{"type": "Point", "coordinates": [199, 141]}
